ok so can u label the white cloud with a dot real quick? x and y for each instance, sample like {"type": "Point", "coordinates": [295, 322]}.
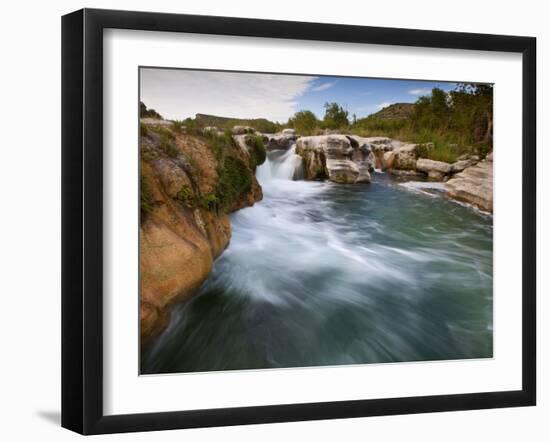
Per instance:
{"type": "Point", "coordinates": [420, 91]}
{"type": "Point", "coordinates": [323, 86]}
{"type": "Point", "coordinates": [382, 105]}
{"type": "Point", "coordinates": [178, 94]}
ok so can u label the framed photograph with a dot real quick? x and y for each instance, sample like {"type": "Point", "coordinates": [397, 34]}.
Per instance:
{"type": "Point", "coordinates": [269, 221]}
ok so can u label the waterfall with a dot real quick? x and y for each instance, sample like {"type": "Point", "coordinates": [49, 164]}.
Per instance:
{"type": "Point", "coordinates": [280, 165]}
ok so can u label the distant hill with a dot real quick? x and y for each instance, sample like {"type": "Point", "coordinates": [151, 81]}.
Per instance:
{"type": "Point", "coordinates": [212, 120]}
{"type": "Point", "coordinates": [396, 111]}
{"type": "Point", "coordinates": [260, 124]}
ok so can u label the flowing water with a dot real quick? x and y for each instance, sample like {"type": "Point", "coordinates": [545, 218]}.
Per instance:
{"type": "Point", "coordinates": [325, 274]}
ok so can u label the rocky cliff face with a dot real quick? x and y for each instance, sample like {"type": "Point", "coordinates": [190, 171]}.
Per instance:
{"type": "Point", "coordinates": [282, 140]}
{"type": "Point", "coordinates": [435, 170]}
{"type": "Point", "coordinates": [189, 185]}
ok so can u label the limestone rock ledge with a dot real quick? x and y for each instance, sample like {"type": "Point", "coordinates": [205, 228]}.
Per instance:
{"type": "Point", "coordinates": [337, 157]}
{"type": "Point", "coordinates": [189, 185]}
{"type": "Point", "coordinates": [474, 185]}
{"type": "Point", "coordinates": [282, 140]}
{"type": "Point", "coordinates": [436, 170]}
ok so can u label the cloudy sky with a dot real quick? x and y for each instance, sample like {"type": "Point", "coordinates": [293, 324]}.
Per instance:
{"type": "Point", "coordinates": [178, 94]}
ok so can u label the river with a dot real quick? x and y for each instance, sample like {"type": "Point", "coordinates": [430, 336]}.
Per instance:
{"type": "Point", "coordinates": [319, 273]}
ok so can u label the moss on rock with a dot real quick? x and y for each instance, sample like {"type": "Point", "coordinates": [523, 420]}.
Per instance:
{"type": "Point", "coordinates": [235, 179]}
{"type": "Point", "coordinates": [145, 197]}
{"type": "Point", "coordinates": [257, 151]}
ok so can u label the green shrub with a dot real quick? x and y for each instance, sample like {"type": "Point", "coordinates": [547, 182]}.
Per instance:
{"type": "Point", "coordinates": [185, 195]}
{"type": "Point", "coordinates": [422, 150]}
{"type": "Point", "coordinates": [373, 126]}
{"type": "Point", "coordinates": [335, 116]}
{"type": "Point", "coordinates": [235, 179]}
{"type": "Point", "coordinates": [445, 153]}
{"type": "Point", "coordinates": [265, 126]}
{"type": "Point", "coordinates": [167, 141]}
{"type": "Point", "coordinates": [169, 147]}
{"type": "Point", "coordinates": [228, 138]}
{"type": "Point", "coordinates": [220, 144]}
{"type": "Point", "coordinates": [178, 126]}
{"type": "Point", "coordinates": [304, 122]}
{"type": "Point", "coordinates": [440, 151]}
{"type": "Point", "coordinates": [483, 149]}
{"type": "Point", "coordinates": [146, 203]}
{"type": "Point", "coordinates": [150, 113]}
{"type": "Point", "coordinates": [214, 143]}
{"type": "Point", "coordinates": [164, 132]}
{"type": "Point", "coordinates": [142, 130]}
{"type": "Point", "coordinates": [457, 122]}
{"type": "Point", "coordinates": [257, 150]}
{"type": "Point", "coordinates": [209, 202]}
{"type": "Point", "coordinates": [259, 124]}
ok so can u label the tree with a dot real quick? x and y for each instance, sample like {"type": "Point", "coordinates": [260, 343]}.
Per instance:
{"type": "Point", "coordinates": [432, 111]}
{"type": "Point", "coordinates": [439, 103]}
{"type": "Point", "coordinates": [472, 110]}
{"type": "Point", "coordinates": [150, 113]}
{"type": "Point", "coordinates": [335, 116]}
{"type": "Point", "coordinates": [304, 122]}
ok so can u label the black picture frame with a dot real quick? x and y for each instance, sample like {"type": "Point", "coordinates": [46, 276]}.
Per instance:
{"type": "Point", "coordinates": [82, 220]}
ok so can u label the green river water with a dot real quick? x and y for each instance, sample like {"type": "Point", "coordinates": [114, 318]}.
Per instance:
{"type": "Point", "coordinates": [325, 274]}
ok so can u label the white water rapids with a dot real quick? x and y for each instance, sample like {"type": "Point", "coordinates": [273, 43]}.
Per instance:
{"type": "Point", "coordinates": [324, 274]}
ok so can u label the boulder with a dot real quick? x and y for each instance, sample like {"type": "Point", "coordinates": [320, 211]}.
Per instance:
{"type": "Point", "coordinates": [379, 146]}
{"type": "Point", "coordinates": [378, 156]}
{"type": "Point", "coordinates": [473, 185]}
{"type": "Point", "coordinates": [238, 130]}
{"type": "Point", "coordinates": [405, 157]}
{"type": "Point", "coordinates": [172, 176]}
{"type": "Point", "coordinates": [342, 170]}
{"type": "Point", "coordinates": [436, 170]}
{"type": "Point", "coordinates": [388, 159]}
{"type": "Point", "coordinates": [383, 142]}
{"type": "Point", "coordinates": [357, 141]}
{"type": "Point", "coordinates": [210, 130]}
{"type": "Point", "coordinates": [436, 176]}
{"type": "Point", "coordinates": [280, 141]}
{"type": "Point", "coordinates": [340, 158]}
{"type": "Point", "coordinates": [314, 164]}
{"type": "Point", "coordinates": [460, 165]}
{"type": "Point", "coordinates": [362, 153]}
{"type": "Point", "coordinates": [363, 176]}
{"type": "Point", "coordinates": [289, 132]}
